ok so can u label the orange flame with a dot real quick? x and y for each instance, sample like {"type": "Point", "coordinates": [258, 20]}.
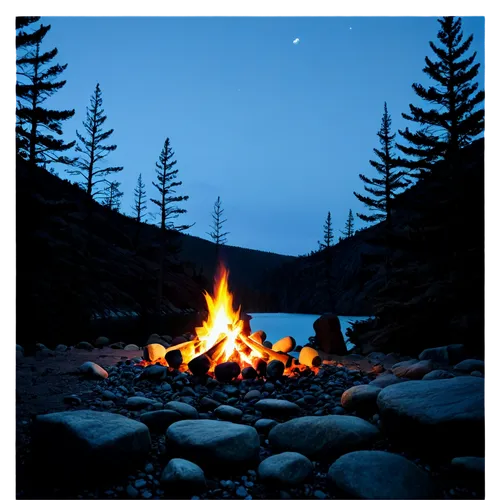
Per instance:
{"type": "Point", "coordinates": [222, 319]}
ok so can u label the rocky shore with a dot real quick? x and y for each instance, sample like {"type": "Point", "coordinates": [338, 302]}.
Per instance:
{"type": "Point", "coordinates": [380, 426]}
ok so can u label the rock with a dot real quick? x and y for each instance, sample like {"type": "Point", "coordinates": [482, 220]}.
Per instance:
{"type": "Point", "coordinates": [155, 372]}
{"type": "Point", "coordinates": [277, 407]}
{"type": "Point", "coordinates": [157, 339]}
{"type": "Point", "coordinates": [260, 366]}
{"type": "Point", "coordinates": [200, 365]}
{"type": "Point", "coordinates": [286, 344]}
{"type": "Point", "coordinates": [448, 354]}
{"type": "Point", "coordinates": [207, 404]}
{"type": "Point", "coordinates": [309, 357]}
{"type": "Point", "coordinates": [379, 474]}
{"type": "Point", "coordinates": [264, 425]}
{"type": "Point", "coordinates": [438, 374]}
{"type": "Point", "coordinates": [285, 470]}
{"type": "Point", "coordinates": [375, 357]}
{"type": "Point", "coordinates": [275, 369]}
{"type": "Point", "coordinates": [267, 344]}
{"type": "Point", "coordinates": [132, 347]}
{"type": "Point", "coordinates": [249, 373]}
{"type": "Point", "coordinates": [225, 372]}
{"type": "Point", "coordinates": [439, 415]}
{"type": "Point", "coordinates": [132, 492]}
{"type": "Point", "coordinates": [361, 399]}
{"type": "Point", "coordinates": [84, 345]}
{"type": "Point", "coordinates": [229, 413]}
{"type": "Point", "coordinates": [101, 341]}
{"type": "Point", "coordinates": [183, 476]}
{"type": "Point", "coordinates": [41, 347]}
{"type": "Point", "coordinates": [472, 467]}
{"type": "Point", "coordinates": [89, 442]}
{"type": "Point", "coordinates": [117, 345]}
{"type": "Point", "coordinates": [160, 420]}
{"type": "Point", "coordinates": [174, 358]}
{"type": "Point", "coordinates": [329, 335]}
{"type": "Point", "coordinates": [470, 365]}
{"type": "Point", "coordinates": [154, 352]}
{"type": "Point", "coordinates": [212, 443]}
{"type": "Point", "coordinates": [108, 395]}
{"type": "Point", "coordinates": [385, 380]}
{"type": "Point", "coordinates": [138, 402]}
{"type": "Point", "coordinates": [44, 354]}
{"type": "Point", "coordinates": [187, 411]}
{"type": "Point", "coordinates": [476, 373]}
{"type": "Point", "coordinates": [253, 394]}
{"type": "Point", "coordinates": [324, 437]}
{"type": "Point", "coordinates": [61, 348]}
{"type": "Point", "coordinates": [19, 348]}
{"type": "Point", "coordinates": [72, 399]}
{"type": "Point", "coordinates": [414, 371]}
{"type": "Point", "coordinates": [93, 370]}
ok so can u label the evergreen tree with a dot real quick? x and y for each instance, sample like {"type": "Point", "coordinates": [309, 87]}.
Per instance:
{"type": "Point", "coordinates": [384, 187]}
{"type": "Point", "coordinates": [112, 196]}
{"type": "Point", "coordinates": [169, 210]}
{"type": "Point", "coordinates": [37, 126]}
{"type": "Point", "coordinates": [454, 117]}
{"type": "Point", "coordinates": [92, 148]}
{"type": "Point", "coordinates": [327, 233]}
{"type": "Point", "coordinates": [139, 200]}
{"type": "Point", "coordinates": [216, 234]}
{"type": "Point", "coordinates": [349, 225]}
{"type": "Point", "coordinates": [166, 185]}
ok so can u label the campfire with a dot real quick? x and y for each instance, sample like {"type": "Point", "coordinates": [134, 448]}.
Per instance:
{"type": "Point", "coordinates": [224, 342]}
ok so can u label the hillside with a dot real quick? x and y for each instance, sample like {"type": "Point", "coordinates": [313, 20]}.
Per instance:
{"type": "Point", "coordinates": [73, 267]}
{"type": "Point", "coordinates": [433, 295]}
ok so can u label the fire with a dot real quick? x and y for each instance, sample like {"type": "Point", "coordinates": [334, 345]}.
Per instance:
{"type": "Point", "coordinates": [223, 320]}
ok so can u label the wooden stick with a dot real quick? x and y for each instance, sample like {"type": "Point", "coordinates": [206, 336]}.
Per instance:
{"type": "Point", "coordinates": [267, 354]}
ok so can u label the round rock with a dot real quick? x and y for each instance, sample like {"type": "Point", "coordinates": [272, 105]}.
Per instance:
{"type": "Point", "coordinates": [225, 372]}
{"type": "Point", "coordinates": [361, 398]}
{"type": "Point", "coordinates": [378, 474]}
{"type": "Point", "coordinates": [229, 413]}
{"type": "Point", "coordinates": [275, 369]}
{"type": "Point", "coordinates": [184, 476]}
{"type": "Point", "coordinates": [277, 407]}
{"type": "Point", "coordinates": [160, 420]}
{"type": "Point", "coordinates": [174, 358]}
{"type": "Point", "coordinates": [187, 411]}
{"type": "Point", "coordinates": [285, 470]}
{"type": "Point", "coordinates": [93, 370]}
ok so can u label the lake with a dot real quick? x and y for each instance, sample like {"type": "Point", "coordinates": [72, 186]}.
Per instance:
{"type": "Point", "coordinates": [298, 326]}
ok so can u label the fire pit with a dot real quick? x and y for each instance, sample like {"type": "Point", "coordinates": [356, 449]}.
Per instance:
{"type": "Point", "coordinates": [224, 345]}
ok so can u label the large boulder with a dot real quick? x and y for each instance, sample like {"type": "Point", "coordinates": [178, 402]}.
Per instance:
{"type": "Point", "coordinates": [213, 443]}
{"type": "Point", "coordinates": [84, 443]}
{"type": "Point", "coordinates": [285, 470]}
{"type": "Point", "coordinates": [323, 437]}
{"type": "Point", "coordinates": [379, 474]}
{"type": "Point", "coordinates": [445, 416]}
{"type": "Point", "coordinates": [329, 335]}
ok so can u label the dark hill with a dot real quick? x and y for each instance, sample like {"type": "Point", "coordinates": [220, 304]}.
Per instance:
{"type": "Point", "coordinates": [67, 278]}
{"type": "Point", "coordinates": [434, 292]}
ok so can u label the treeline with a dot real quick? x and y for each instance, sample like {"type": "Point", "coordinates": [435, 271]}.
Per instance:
{"type": "Point", "coordinates": [39, 143]}
{"type": "Point", "coordinates": [446, 120]}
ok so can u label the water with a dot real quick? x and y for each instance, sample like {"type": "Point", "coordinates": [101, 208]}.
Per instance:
{"type": "Point", "coordinates": [298, 326]}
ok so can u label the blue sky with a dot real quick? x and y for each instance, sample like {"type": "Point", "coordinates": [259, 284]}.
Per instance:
{"type": "Point", "coordinates": [279, 131]}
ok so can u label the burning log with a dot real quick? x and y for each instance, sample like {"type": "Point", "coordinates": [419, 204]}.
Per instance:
{"type": "Point", "coordinates": [259, 336]}
{"type": "Point", "coordinates": [187, 349]}
{"type": "Point", "coordinates": [266, 353]}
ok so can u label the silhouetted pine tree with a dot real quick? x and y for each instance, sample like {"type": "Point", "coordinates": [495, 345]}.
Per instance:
{"type": "Point", "coordinates": [112, 196]}
{"type": "Point", "coordinates": [384, 187]}
{"type": "Point", "coordinates": [92, 148]}
{"type": "Point", "coordinates": [453, 118]}
{"type": "Point", "coordinates": [327, 233]}
{"type": "Point", "coordinates": [349, 225]}
{"type": "Point", "coordinates": [169, 210]}
{"type": "Point", "coordinates": [216, 234]}
{"type": "Point", "coordinates": [326, 247]}
{"type": "Point", "coordinates": [139, 206]}
{"type": "Point", "coordinates": [36, 82]}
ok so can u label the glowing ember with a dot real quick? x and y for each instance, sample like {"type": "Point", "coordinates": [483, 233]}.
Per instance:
{"type": "Point", "coordinates": [222, 338]}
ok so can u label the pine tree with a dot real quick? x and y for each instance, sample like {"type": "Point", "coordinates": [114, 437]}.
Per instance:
{"type": "Point", "coordinates": [327, 233]}
{"type": "Point", "coordinates": [112, 196]}
{"type": "Point", "coordinates": [167, 203]}
{"type": "Point", "coordinates": [454, 118]}
{"type": "Point", "coordinates": [216, 234]}
{"type": "Point", "coordinates": [92, 148]}
{"type": "Point", "coordinates": [139, 206]}
{"type": "Point", "coordinates": [349, 225]}
{"type": "Point", "coordinates": [166, 186]}
{"type": "Point", "coordinates": [36, 82]}
{"type": "Point", "coordinates": [384, 187]}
